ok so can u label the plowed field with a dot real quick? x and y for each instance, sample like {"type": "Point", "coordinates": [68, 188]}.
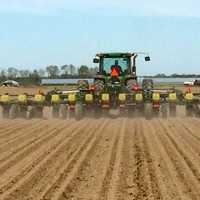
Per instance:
{"type": "Point", "coordinates": [119, 159]}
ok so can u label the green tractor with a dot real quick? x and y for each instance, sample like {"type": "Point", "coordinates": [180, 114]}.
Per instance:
{"type": "Point", "coordinates": [116, 81]}
{"type": "Point", "coordinates": [117, 71]}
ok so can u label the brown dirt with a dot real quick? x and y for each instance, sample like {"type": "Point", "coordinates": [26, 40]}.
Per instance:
{"type": "Point", "coordinates": [115, 159]}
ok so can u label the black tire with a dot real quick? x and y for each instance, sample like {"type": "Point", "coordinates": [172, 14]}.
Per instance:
{"type": "Point", "coordinates": [130, 83]}
{"type": "Point", "coordinates": [14, 111]}
{"type": "Point", "coordinates": [99, 85]}
{"type": "Point", "coordinates": [55, 111]}
{"type": "Point", "coordinates": [63, 111]}
{"type": "Point", "coordinates": [147, 84]}
{"type": "Point", "coordinates": [78, 111]}
{"type": "Point", "coordinates": [83, 84]}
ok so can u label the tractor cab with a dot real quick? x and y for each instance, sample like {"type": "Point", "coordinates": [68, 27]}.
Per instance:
{"type": "Point", "coordinates": [117, 67]}
{"type": "Point", "coordinates": [114, 64]}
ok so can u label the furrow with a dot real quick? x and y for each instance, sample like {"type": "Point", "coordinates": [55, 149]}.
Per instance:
{"type": "Point", "coordinates": [69, 171]}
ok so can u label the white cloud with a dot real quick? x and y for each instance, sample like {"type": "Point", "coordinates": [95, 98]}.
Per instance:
{"type": "Point", "coordinates": [121, 7]}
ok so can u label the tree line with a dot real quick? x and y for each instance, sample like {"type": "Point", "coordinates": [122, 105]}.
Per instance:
{"type": "Point", "coordinates": [51, 71]}
{"type": "Point", "coordinates": [33, 77]}
{"type": "Point", "coordinates": [175, 75]}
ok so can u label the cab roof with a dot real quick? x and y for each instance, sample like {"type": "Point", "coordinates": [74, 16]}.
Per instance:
{"type": "Point", "coordinates": [114, 54]}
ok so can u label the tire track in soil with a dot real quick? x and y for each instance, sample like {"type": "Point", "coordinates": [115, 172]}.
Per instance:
{"type": "Point", "coordinates": [89, 180]}
{"type": "Point", "coordinates": [70, 170]}
{"type": "Point", "coordinates": [31, 136]}
{"type": "Point", "coordinates": [183, 173]}
{"type": "Point", "coordinates": [26, 132]}
{"type": "Point", "coordinates": [11, 127]}
{"type": "Point", "coordinates": [168, 183]}
{"type": "Point", "coordinates": [190, 157]}
{"type": "Point", "coordinates": [190, 128]}
{"type": "Point", "coordinates": [140, 174]}
{"type": "Point", "coordinates": [128, 186]}
{"type": "Point", "coordinates": [111, 189]}
{"type": "Point", "coordinates": [136, 177]}
{"type": "Point", "coordinates": [41, 154]}
{"type": "Point", "coordinates": [29, 148]}
{"type": "Point", "coordinates": [187, 135]}
{"type": "Point", "coordinates": [156, 192]}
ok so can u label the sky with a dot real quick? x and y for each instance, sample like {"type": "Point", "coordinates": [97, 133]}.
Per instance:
{"type": "Point", "coordinates": [36, 33]}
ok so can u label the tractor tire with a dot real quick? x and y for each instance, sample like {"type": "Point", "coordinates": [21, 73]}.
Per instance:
{"type": "Point", "coordinates": [63, 111]}
{"type": "Point", "coordinates": [78, 111]}
{"type": "Point", "coordinates": [130, 83]}
{"type": "Point", "coordinates": [147, 84]}
{"type": "Point", "coordinates": [55, 111]}
{"type": "Point", "coordinates": [83, 84]}
{"type": "Point", "coordinates": [99, 85]}
{"type": "Point", "coordinates": [14, 111]}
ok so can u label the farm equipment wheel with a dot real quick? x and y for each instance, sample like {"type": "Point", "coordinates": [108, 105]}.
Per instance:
{"type": "Point", "coordinates": [14, 111]}
{"type": "Point", "coordinates": [78, 111]}
{"type": "Point", "coordinates": [99, 85]}
{"type": "Point", "coordinates": [55, 111]}
{"type": "Point", "coordinates": [63, 111]}
{"type": "Point", "coordinates": [130, 83]}
{"type": "Point", "coordinates": [148, 111]}
{"type": "Point", "coordinates": [83, 84]}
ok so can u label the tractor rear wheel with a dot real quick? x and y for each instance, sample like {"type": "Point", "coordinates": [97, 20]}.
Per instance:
{"type": "Point", "coordinates": [99, 85]}
{"type": "Point", "coordinates": [83, 84]}
{"type": "Point", "coordinates": [130, 83]}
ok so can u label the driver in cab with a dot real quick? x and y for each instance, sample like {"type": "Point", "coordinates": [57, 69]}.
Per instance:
{"type": "Point", "coordinates": [116, 69]}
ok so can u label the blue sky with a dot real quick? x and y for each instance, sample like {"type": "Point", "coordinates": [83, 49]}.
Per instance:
{"type": "Point", "coordinates": [36, 33]}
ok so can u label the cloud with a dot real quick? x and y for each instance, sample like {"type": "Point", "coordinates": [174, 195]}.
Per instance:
{"type": "Point", "coordinates": [111, 7]}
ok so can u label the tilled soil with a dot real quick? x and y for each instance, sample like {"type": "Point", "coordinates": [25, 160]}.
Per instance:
{"type": "Point", "coordinates": [114, 159]}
